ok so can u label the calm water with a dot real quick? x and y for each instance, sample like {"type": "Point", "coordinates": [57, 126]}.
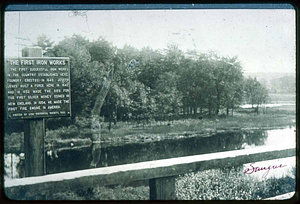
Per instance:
{"type": "Point", "coordinates": [277, 138]}
{"type": "Point", "coordinates": [63, 160]}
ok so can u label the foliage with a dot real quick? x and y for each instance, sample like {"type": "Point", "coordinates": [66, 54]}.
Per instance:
{"type": "Point", "coordinates": [229, 184]}
{"type": "Point", "coordinates": [122, 193]}
{"type": "Point", "coordinates": [214, 184]}
{"type": "Point", "coordinates": [255, 92]}
{"type": "Point", "coordinates": [45, 43]}
{"type": "Point", "coordinates": [105, 193]}
{"type": "Point", "coordinates": [284, 84]}
{"type": "Point", "coordinates": [153, 84]}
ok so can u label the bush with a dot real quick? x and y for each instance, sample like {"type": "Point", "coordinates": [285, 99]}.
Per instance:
{"type": "Point", "coordinates": [218, 184]}
{"type": "Point", "coordinates": [104, 193]}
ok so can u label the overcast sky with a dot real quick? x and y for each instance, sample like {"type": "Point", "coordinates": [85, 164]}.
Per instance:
{"type": "Point", "coordinates": [263, 40]}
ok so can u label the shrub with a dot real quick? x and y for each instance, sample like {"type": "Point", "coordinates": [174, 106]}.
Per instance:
{"type": "Point", "coordinates": [218, 184]}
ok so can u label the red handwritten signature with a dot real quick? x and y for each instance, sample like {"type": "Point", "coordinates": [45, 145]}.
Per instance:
{"type": "Point", "coordinates": [254, 169]}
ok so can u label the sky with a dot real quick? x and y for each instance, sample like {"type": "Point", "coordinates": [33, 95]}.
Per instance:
{"type": "Point", "coordinates": [264, 40]}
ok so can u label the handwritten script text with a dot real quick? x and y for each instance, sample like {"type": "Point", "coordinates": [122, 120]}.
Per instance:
{"type": "Point", "coordinates": [254, 169]}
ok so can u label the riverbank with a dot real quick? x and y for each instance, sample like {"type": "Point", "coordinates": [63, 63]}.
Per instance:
{"type": "Point", "coordinates": [125, 133]}
{"type": "Point", "coordinates": [189, 186]}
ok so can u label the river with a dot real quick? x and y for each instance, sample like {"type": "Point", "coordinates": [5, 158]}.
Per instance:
{"type": "Point", "coordinates": [71, 159]}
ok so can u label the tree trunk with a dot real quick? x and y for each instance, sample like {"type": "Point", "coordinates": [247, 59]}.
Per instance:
{"type": "Point", "coordinates": [102, 94]}
{"type": "Point", "coordinates": [95, 119]}
{"type": "Point", "coordinates": [109, 125]}
{"type": "Point", "coordinates": [257, 109]}
{"type": "Point", "coordinates": [227, 110]}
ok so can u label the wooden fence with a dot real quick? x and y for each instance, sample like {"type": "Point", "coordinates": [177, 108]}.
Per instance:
{"type": "Point", "coordinates": [160, 173]}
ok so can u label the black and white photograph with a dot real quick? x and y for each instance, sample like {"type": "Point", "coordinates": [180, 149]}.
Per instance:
{"type": "Point", "coordinates": [149, 102]}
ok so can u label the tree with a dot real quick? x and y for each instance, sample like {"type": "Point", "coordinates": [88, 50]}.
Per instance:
{"type": "Point", "coordinates": [151, 63]}
{"type": "Point", "coordinates": [101, 51]}
{"type": "Point", "coordinates": [46, 44]}
{"type": "Point", "coordinates": [233, 94]}
{"type": "Point", "coordinates": [255, 92]}
{"type": "Point", "coordinates": [84, 81]}
{"type": "Point", "coordinates": [168, 97]}
{"type": "Point", "coordinates": [284, 84]}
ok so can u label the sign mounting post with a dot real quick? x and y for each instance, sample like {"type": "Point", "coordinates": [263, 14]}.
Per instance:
{"type": "Point", "coordinates": [36, 88]}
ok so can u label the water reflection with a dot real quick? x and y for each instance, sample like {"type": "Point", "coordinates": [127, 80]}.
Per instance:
{"type": "Point", "coordinates": [63, 160]}
{"type": "Point", "coordinates": [96, 154]}
{"type": "Point", "coordinates": [288, 166]}
{"type": "Point", "coordinates": [281, 138]}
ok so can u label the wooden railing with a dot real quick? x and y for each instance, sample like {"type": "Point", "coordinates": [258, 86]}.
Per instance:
{"type": "Point", "coordinates": [160, 173]}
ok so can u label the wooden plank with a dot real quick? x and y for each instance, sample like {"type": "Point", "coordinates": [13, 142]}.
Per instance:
{"type": "Point", "coordinates": [141, 171]}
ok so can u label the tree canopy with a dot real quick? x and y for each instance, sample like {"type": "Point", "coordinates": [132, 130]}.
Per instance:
{"type": "Point", "coordinates": [153, 84]}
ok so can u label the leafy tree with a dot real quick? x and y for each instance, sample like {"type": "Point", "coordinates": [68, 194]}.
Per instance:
{"type": "Point", "coordinates": [173, 57]}
{"type": "Point", "coordinates": [151, 66]}
{"type": "Point", "coordinates": [234, 84]}
{"type": "Point", "coordinates": [123, 84]}
{"type": "Point", "coordinates": [168, 97]}
{"type": "Point", "coordinates": [188, 84]}
{"type": "Point", "coordinates": [148, 83]}
{"type": "Point", "coordinates": [45, 43]}
{"type": "Point", "coordinates": [101, 51]}
{"type": "Point", "coordinates": [83, 77]}
{"type": "Point", "coordinates": [255, 92]}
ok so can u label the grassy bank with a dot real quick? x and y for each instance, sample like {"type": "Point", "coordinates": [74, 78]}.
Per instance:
{"type": "Point", "coordinates": [125, 132]}
{"type": "Point", "coordinates": [270, 118]}
{"type": "Point", "coordinates": [214, 184]}
{"type": "Point", "coordinates": [206, 185]}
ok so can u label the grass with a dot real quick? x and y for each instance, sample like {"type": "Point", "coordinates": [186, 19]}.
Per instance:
{"type": "Point", "coordinates": [213, 184]}
{"type": "Point", "coordinates": [104, 193]}
{"type": "Point", "coordinates": [274, 117]}
{"type": "Point", "coordinates": [206, 185]}
{"type": "Point", "coordinates": [232, 184]}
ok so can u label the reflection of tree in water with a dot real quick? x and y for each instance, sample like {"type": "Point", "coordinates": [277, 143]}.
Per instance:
{"type": "Point", "coordinates": [69, 160]}
{"type": "Point", "coordinates": [255, 137]}
{"type": "Point", "coordinates": [230, 140]}
{"type": "Point", "coordinates": [236, 140]}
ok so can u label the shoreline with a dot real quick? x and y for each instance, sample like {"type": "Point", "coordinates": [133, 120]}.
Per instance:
{"type": "Point", "coordinates": [107, 141]}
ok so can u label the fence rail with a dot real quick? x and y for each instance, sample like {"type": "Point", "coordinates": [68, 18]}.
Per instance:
{"type": "Point", "coordinates": [161, 173]}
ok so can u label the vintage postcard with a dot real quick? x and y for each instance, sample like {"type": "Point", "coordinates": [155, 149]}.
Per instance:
{"type": "Point", "coordinates": [150, 101]}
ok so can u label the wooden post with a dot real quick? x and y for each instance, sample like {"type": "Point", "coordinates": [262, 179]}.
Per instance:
{"type": "Point", "coordinates": [34, 132]}
{"type": "Point", "coordinates": [162, 188]}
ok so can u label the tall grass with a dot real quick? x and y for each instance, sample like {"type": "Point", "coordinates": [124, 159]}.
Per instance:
{"type": "Point", "coordinates": [230, 184]}
{"type": "Point", "coordinates": [213, 184]}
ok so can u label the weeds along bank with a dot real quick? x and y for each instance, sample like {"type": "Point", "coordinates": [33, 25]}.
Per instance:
{"type": "Point", "coordinates": [275, 117]}
{"type": "Point", "coordinates": [207, 185]}
{"type": "Point", "coordinates": [231, 184]}
{"type": "Point", "coordinates": [214, 184]}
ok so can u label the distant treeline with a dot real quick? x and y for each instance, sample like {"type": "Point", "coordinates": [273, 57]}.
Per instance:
{"type": "Point", "coordinates": [282, 83]}
{"type": "Point", "coordinates": [153, 84]}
